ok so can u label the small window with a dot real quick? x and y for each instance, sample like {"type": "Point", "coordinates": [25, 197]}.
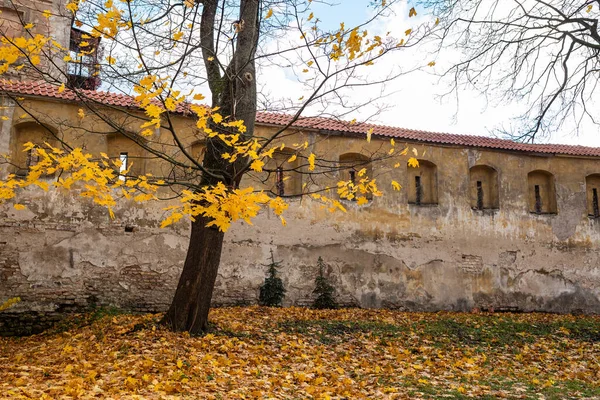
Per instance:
{"type": "Point", "coordinates": [592, 185]}
{"type": "Point", "coordinates": [284, 178]}
{"type": "Point", "coordinates": [418, 190]}
{"type": "Point", "coordinates": [484, 188]}
{"type": "Point", "coordinates": [120, 147]}
{"type": "Point", "coordinates": [350, 166]}
{"type": "Point", "coordinates": [542, 195]}
{"type": "Point", "coordinates": [422, 189]}
{"type": "Point", "coordinates": [123, 157]}
{"type": "Point", "coordinates": [279, 182]}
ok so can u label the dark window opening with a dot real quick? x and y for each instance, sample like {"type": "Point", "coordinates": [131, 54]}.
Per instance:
{"type": "Point", "coordinates": [595, 202]}
{"type": "Point", "coordinates": [479, 195]}
{"type": "Point", "coordinates": [279, 184]}
{"type": "Point", "coordinates": [538, 200]}
{"type": "Point", "coordinates": [353, 176]}
{"type": "Point", "coordinates": [129, 228]}
{"type": "Point", "coordinates": [418, 190]}
{"type": "Point", "coordinates": [32, 158]}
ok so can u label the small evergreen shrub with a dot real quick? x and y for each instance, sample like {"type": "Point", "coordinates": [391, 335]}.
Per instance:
{"type": "Point", "coordinates": [272, 291]}
{"type": "Point", "coordinates": [323, 289]}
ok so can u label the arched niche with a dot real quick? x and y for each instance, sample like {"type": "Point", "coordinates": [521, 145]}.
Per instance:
{"type": "Point", "coordinates": [542, 194]}
{"type": "Point", "coordinates": [592, 189]}
{"type": "Point", "coordinates": [284, 177]}
{"type": "Point", "coordinates": [351, 164]}
{"type": "Point", "coordinates": [131, 154]}
{"type": "Point", "coordinates": [24, 133]}
{"type": "Point", "coordinates": [198, 150]}
{"type": "Point", "coordinates": [422, 184]}
{"type": "Point", "coordinates": [484, 188]}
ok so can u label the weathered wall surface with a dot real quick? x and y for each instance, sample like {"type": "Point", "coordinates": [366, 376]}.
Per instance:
{"type": "Point", "coordinates": [64, 254]}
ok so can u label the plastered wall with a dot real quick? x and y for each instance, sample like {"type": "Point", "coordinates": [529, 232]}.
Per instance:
{"type": "Point", "coordinates": [65, 254]}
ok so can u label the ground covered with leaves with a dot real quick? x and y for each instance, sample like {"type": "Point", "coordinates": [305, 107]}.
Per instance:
{"type": "Point", "coordinates": [299, 353]}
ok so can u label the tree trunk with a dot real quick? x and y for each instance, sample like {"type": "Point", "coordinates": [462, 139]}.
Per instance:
{"type": "Point", "coordinates": [235, 94]}
{"type": "Point", "coordinates": [190, 306]}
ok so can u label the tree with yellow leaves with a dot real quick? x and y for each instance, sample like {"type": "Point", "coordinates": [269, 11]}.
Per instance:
{"type": "Point", "coordinates": [158, 54]}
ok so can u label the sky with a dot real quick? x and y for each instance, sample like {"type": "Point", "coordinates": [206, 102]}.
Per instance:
{"type": "Point", "coordinates": [415, 102]}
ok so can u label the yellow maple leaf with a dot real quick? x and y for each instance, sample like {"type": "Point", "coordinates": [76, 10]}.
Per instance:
{"type": "Point", "coordinates": [19, 207]}
{"type": "Point", "coordinates": [413, 162]}
{"type": "Point", "coordinates": [72, 6]}
{"type": "Point", "coordinates": [257, 165]}
{"type": "Point", "coordinates": [396, 185]}
{"type": "Point", "coordinates": [292, 158]}
{"type": "Point", "coordinates": [408, 32]}
{"type": "Point", "coordinates": [269, 13]}
{"type": "Point", "coordinates": [412, 12]}
{"type": "Point", "coordinates": [362, 200]}
{"type": "Point", "coordinates": [369, 133]}
{"type": "Point", "coordinates": [47, 13]}
{"type": "Point", "coordinates": [177, 35]}
{"type": "Point", "coordinates": [311, 162]}
{"type": "Point", "coordinates": [81, 113]}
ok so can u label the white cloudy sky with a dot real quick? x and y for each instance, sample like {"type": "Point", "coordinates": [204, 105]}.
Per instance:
{"type": "Point", "coordinates": [415, 103]}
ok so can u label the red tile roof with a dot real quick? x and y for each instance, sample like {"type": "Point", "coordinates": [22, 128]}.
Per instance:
{"type": "Point", "coordinates": [319, 123]}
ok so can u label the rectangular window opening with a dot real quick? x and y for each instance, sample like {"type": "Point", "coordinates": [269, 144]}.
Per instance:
{"type": "Point", "coordinates": [418, 190]}
{"type": "Point", "coordinates": [124, 158]}
{"type": "Point", "coordinates": [353, 176]}
{"type": "Point", "coordinates": [279, 184]}
{"type": "Point", "coordinates": [595, 202]}
{"type": "Point", "coordinates": [538, 200]}
{"type": "Point", "coordinates": [479, 195]}
{"type": "Point", "coordinates": [32, 158]}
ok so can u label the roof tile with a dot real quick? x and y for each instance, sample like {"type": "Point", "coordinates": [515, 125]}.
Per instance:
{"type": "Point", "coordinates": [318, 123]}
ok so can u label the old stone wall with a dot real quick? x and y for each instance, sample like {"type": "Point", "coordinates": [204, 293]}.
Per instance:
{"type": "Point", "coordinates": [65, 254]}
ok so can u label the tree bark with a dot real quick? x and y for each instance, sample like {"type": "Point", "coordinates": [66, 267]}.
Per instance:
{"type": "Point", "coordinates": [191, 303]}
{"type": "Point", "coordinates": [235, 95]}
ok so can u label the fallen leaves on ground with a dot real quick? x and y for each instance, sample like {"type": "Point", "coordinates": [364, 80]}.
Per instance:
{"type": "Point", "coordinates": [254, 352]}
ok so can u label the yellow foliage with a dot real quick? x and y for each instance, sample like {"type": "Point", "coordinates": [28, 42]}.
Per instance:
{"type": "Point", "coordinates": [280, 353]}
{"type": "Point", "coordinates": [9, 303]}
{"type": "Point", "coordinates": [257, 165]}
{"type": "Point", "coordinates": [311, 162]}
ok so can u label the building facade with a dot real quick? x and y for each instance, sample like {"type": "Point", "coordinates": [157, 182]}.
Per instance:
{"type": "Point", "coordinates": [482, 223]}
